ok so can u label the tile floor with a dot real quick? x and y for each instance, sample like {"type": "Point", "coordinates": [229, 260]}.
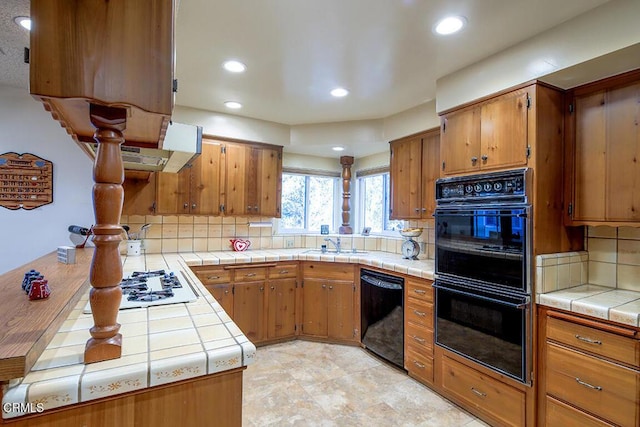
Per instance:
{"type": "Point", "coordinates": [305, 383]}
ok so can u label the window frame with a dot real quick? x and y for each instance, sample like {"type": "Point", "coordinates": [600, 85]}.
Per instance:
{"type": "Point", "coordinates": [336, 219]}
{"type": "Point", "coordinates": [360, 185]}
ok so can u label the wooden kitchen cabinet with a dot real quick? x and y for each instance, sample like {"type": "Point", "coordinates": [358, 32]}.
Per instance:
{"type": "Point", "coordinates": [253, 179]}
{"type": "Point", "coordinates": [603, 142]}
{"type": "Point", "coordinates": [261, 299]}
{"type": "Point", "coordinates": [487, 136]}
{"type": "Point", "coordinates": [590, 371]}
{"type": "Point", "coordinates": [418, 329]}
{"type": "Point", "coordinates": [110, 53]}
{"type": "Point", "coordinates": [139, 193]}
{"type": "Point", "coordinates": [328, 295]}
{"type": "Point", "coordinates": [281, 301]}
{"type": "Point", "coordinates": [195, 189]}
{"type": "Point", "coordinates": [414, 168]}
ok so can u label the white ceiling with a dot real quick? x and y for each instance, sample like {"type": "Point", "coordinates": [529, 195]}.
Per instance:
{"type": "Point", "coordinates": [296, 51]}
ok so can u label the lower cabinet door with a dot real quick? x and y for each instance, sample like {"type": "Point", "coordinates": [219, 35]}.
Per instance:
{"type": "Point", "coordinates": [314, 307]}
{"type": "Point", "coordinates": [486, 394]}
{"type": "Point", "coordinates": [281, 314]}
{"type": "Point", "coordinates": [224, 295]}
{"type": "Point", "coordinates": [558, 414]}
{"type": "Point", "coordinates": [248, 309]}
{"type": "Point", "coordinates": [340, 310]}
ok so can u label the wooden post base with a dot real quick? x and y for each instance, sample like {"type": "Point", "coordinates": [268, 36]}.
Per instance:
{"type": "Point", "coordinates": [103, 349]}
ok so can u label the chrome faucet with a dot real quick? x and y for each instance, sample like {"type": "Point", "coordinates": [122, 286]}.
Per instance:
{"type": "Point", "coordinates": [336, 243]}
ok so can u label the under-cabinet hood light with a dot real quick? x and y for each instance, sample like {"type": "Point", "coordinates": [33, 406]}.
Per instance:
{"type": "Point", "coordinates": [260, 224]}
{"type": "Point", "coordinates": [233, 105]}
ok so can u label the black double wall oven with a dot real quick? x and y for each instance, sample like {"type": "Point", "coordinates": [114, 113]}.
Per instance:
{"type": "Point", "coordinates": [483, 277]}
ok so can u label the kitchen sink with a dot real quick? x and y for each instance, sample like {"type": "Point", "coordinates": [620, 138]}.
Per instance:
{"type": "Point", "coordinates": [334, 252]}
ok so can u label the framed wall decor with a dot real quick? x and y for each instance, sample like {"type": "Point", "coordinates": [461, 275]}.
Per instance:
{"type": "Point", "coordinates": [26, 181]}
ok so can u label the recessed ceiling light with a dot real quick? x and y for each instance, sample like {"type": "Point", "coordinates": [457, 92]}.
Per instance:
{"type": "Point", "coordinates": [337, 148]}
{"type": "Point", "coordinates": [234, 66]}
{"type": "Point", "coordinates": [233, 105]}
{"type": "Point", "coordinates": [450, 25]}
{"type": "Point", "coordinates": [23, 21]}
{"type": "Point", "coordinates": [339, 92]}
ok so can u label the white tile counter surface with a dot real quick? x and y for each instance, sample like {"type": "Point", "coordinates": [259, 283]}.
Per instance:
{"type": "Point", "coordinates": [617, 305]}
{"type": "Point", "coordinates": [168, 343]}
{"type": "Point", "coordinates": [160, 345]}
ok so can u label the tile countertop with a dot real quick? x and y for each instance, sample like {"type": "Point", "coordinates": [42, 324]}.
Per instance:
{"type": "Point", "coordinates": [617, 305]}
{"type": "Point", "coordinates": [160, 345]}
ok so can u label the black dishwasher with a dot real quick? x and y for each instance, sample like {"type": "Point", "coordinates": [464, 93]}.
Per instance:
{"type": "Point", "coordinates": [382, 315]}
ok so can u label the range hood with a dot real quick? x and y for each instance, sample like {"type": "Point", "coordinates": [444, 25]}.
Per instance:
{"type": "Point", "coordinates": [182, 143]}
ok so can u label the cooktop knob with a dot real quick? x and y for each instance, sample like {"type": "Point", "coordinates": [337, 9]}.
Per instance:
{"type": "Point", "coordinates": [478, 188]}
{"type": "Point", "coordinates": [487, 186]}
{"type": "Point", "coordinates": [468, 188]}
{"type": "Point", "coordinates": [497, 186]}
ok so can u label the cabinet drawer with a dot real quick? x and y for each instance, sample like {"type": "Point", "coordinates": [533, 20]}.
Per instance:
{"type": "Point", "coordinates": [558, 414]}
{"type": "Point", "coordinates": [213, 276]}
{"type": "Point", "coordinates": [592, 340]}
{"type": "Point", "coordinates": [250, 274]}
{"type": "Point", "coordinates": [419, 313]}
{"type": "Point", "coordinates": [419, 289]}
{"type": "Point", "coordinates": [283, 271]}
{"type": "Point", "coordinates": [498, 400]}
{"type": "Point", "coordinates": [603, 388]}
{"type": "Point", "coordinates": [419, 364]}
{"type": "Point", "coordinates": [419, 337]}
{"type": "Point", "coordinates": [333, 270]}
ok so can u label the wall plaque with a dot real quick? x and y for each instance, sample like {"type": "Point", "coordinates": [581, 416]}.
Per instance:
{"type": "Point", "coordinates": [26, 181]}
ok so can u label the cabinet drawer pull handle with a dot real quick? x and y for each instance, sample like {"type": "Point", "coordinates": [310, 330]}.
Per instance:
{"type": "Point", "coordinates": [420, 291]}
{"type": "Point", "coordinates": [419, 365]}
{"type": "Point", "coordinates": [420, 313]}
{"type": "Point", "coordinates": [417, 209]}
{"type": "Point", "coordinates": [474, 160]}
{"type": "Point", "coordinates": [331, 287]}
{"type": "Point", "coordinates": [213, 277]}
{"type": "Point", "coordinates": [479, 393]}
{"type": "Point", "coordinates": [484, 157]}
{"type": "Point", "coordinates": [420, 340]}
{"type": "Point", "coordinates": [324, 286]}
{"type": "Point", "coordinates": [250, 275]}
{"type": "Point", "coordinates": [226, 292]}
{"type": "Point", "coordinates": [588, 340]}
{"type": "Point", "coordinates": [284, 271]}
{"type": "Point", "coordinates": [594, 387]}
{"type": "Point", "coordinates": [273, 288]}
{"type": "Point", "coordinates": [261, 288]}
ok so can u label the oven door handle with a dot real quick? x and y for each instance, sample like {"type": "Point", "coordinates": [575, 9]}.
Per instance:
{"type": "Point", "coordinates": [518, 306]}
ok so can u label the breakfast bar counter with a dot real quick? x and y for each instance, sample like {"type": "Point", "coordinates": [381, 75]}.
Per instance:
{"type": "Point", "coordinates": [191, 348]}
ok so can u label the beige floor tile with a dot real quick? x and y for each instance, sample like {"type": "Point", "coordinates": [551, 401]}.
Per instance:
{"type": "Point", "coordinates": [302, 383]}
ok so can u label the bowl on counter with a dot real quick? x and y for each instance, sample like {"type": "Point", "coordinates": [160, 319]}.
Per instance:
{"type": "Point", "coordinates": [411, 232]}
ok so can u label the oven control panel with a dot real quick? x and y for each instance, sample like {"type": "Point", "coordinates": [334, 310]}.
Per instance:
{"type": "Point", "coordinates": [496, 185]}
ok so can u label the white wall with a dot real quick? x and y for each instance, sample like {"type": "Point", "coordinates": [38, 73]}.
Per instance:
{"type": "Point", "coordinates": [605, 29]}
{"type": "Point", "coordinates": [25, 127]}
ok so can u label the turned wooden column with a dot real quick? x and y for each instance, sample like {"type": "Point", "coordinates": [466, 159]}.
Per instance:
{"type": "Point", "coordinates": [106, 267]}
{"type": "Point", "coordinates": [346, 162]}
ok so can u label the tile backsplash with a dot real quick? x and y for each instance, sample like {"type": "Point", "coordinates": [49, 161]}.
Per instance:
{"type": "Point", "coordinates": [612, 259]}
{"type": "Point", "coordinates": [172, 233]}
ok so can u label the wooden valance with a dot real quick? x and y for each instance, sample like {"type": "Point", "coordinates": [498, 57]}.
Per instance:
{"type": "Point", "coordinates": [26, 181]}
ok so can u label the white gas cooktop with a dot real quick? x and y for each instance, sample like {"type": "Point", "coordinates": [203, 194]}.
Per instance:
{"type": "Point", "coordinates": [150, 288]}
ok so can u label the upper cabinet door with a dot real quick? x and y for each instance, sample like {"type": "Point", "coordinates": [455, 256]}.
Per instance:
{"type": "Point", "coordinates": [406, 178]}
{"type": "Point", "coordinates": [604, 161]}
{"type": "Point", "coordinates": [253, 179]}
{"type": "Point", "coordinates": [237, 158]}
{"type": "Point", "coordinates": [503, 131]}
{"type": "Point", "coordinates": [430, 172]}
{"type": "Point", "coordinates": [460, 141]}
{"type": "Point", "coordinates": [205, 181]}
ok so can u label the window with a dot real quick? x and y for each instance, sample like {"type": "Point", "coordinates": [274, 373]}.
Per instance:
{"type": "Point", "coordinates": [308, 201]}
{"type": "Point", "coordinates": [373, 191]}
